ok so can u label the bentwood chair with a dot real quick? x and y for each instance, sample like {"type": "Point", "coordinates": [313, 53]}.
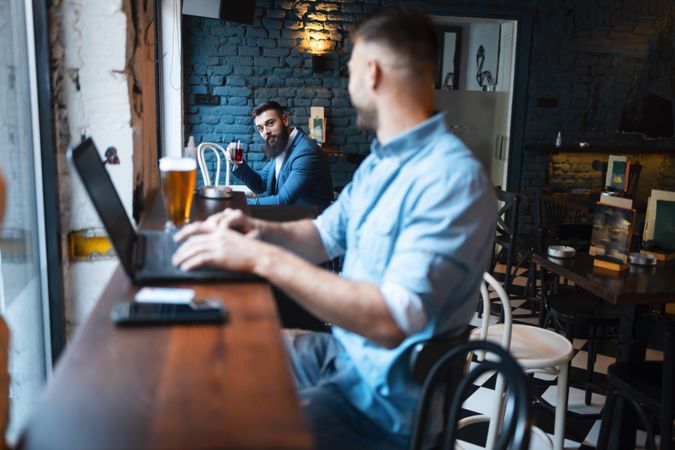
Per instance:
{"type": "Point", "coordinates": [581, 315]}
{"type": "Point", "coordinates": [515, 430]}
{"type": "Point", "coordinates": [423, 358]}
{"type": "Point", "coordinates": [647, 387]}
{"type": "Point", "coordinates": [506, 234]}
{"type": "Point", "coordinates": [537, 350]}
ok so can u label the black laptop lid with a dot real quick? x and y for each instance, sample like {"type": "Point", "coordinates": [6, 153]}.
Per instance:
{"type": "Point", "coordinates": [99, 186]}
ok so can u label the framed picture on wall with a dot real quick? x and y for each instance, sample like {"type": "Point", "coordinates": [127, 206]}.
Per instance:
{"type": "Point", "coordinates": [450, 40]}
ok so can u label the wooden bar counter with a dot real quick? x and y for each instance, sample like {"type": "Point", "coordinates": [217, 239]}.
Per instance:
{"type": "Point", "coordinates": [181, 386]}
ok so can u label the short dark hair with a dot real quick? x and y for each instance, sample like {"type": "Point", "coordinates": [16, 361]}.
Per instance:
{"type": "Point", "coordinates": [266, 106]}
{"type": "Point", "coordinates": [406, 31]}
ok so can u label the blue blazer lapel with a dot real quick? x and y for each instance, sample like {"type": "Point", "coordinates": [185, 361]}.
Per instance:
{"type": "Point", "coordinates": [270, 177]}
{"type": "Point", "coordinates": [283, 172]}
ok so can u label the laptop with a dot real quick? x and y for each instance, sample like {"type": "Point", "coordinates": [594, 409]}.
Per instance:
{"type": "Point", "coordinates": [144, 255]}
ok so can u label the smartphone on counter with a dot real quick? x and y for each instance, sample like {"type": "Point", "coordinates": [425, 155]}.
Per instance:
{"type": "Point", "coordinates": [138, 313]}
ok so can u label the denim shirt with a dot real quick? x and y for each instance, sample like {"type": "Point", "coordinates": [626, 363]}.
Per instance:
{"type": "Point", "coordinates": [419, 212]}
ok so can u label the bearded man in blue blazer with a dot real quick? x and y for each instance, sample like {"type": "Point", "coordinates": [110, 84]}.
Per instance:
{"type": "Point", "coordinates": [297, 172]}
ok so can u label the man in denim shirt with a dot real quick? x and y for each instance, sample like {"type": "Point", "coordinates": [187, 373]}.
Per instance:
{"type": "Point", "coordinates": [415, 226]}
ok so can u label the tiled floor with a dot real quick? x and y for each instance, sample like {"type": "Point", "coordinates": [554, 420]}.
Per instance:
{"type": "Point", "coordinates": [581, 432]}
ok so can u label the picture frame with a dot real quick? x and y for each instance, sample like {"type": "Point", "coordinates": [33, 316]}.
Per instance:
{"type": "Point", "coordinates": [657, 204]}
{"type": "Point", "coordinates": [450, 52]}
{"type": "Point", "coordinates": [617, 173]}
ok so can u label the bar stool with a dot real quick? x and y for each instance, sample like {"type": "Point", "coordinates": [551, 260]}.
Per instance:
{"type": "Point", "coordinates": [537, 350]}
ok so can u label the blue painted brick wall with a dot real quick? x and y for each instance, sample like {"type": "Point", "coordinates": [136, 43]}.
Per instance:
{"type": "Point", "coordinates": [585, 53]}
{"type": "Point", "coordinates": [248, 64]}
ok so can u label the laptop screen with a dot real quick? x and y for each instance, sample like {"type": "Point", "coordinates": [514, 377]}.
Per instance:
{"type": "Point", "coordinates": [99, 186]}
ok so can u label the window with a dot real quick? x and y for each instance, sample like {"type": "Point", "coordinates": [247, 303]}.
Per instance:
{"type": "Point", "coordinates": [23, 277]}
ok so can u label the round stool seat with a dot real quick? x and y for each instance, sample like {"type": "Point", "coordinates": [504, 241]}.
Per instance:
{"type": "Point", "coordinates": [532, 347]}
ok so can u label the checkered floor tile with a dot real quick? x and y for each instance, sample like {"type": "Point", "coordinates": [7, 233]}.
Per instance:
{"type": "Point", "coordinates": [581, 429]}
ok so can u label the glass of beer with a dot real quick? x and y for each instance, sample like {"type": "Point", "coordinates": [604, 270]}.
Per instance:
{"type": "Point", "coordinates": [178, 178]}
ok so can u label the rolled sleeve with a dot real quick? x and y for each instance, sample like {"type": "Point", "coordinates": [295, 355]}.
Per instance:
{"type": "Point", "coordinates": [405, 307]}
{"type": "Point", "coordinates": [443, 250]}
{"type": "Point", "coordinates": [332, 247]}
{"type": "Point", "coordinates": [332, 224]}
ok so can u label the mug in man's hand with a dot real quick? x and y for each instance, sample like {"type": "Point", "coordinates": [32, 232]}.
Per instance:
{"type": "Point", "coordinates": [236, 151]}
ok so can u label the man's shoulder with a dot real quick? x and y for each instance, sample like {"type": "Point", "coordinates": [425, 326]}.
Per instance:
{"type": "Point", "coordinates": [448, 152]}
{"type": "Point", "coordinates": [306, 146]}
{"type": "Point", "coordinates": [305, 141]}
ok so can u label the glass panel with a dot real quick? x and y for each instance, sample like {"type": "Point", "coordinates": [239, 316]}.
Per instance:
{"type": "Point", "coordinates": [20, 280]}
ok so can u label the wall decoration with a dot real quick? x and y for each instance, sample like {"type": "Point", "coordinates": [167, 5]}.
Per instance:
{"type": "Point", "coordinates": [450, 40]}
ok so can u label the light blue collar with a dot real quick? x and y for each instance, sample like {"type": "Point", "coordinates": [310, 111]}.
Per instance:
{"type": "Point", "coordinates": [412, 139]}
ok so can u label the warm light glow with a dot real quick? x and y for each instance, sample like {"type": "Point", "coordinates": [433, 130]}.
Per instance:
{"type": "Point", "coordinates": [317, 44]}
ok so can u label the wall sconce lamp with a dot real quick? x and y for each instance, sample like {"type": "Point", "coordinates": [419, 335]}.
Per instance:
{"type": "Point", "coordinates": [318, 46]}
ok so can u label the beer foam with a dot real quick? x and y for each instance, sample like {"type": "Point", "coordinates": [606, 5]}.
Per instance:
{"type": "Point", "coordinates": [177, 164]}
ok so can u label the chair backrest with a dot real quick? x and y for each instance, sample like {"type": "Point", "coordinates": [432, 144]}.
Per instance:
{"type": "Point", "coordinates": [658, 331]}
{"type": "Point", "coordinates": [507, 229]}
{"type": "Point", "coordinates": [515, 431]}
{"type": "Point", "coordinates": [490, 281]}
{"type": "Point", "coordinates": [559, 223]}
{"type": "Point", "coordinates": [425, 354]}
{"type": "Point", "coordinates": [424, 357]}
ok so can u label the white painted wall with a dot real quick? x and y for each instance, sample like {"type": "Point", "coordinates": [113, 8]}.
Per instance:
{"type": "Point", "coordinates": [94, 46]}
{"type": "Point", "coordinates": [171, 79]}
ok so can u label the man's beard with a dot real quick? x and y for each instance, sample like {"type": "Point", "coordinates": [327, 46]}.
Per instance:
{"type": "Point", "coordinates": [276, 144]}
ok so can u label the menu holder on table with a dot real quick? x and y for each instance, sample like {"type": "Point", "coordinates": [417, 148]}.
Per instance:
{"type": "Point", "coordinates": [611, 236]}
{"type": "Point", "coordinates": [659, 234]}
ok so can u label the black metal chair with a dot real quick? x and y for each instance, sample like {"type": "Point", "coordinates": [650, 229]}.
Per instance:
{"type": "Point", "coordinates": [648, 387]}
{"type": "Point", "coordinates": [560, 224]}
{"type": "Point", "coordinates": [581, 315]}
{"type": "Point", "coordinates": [555, 224]}
{"type": "Point", "coordinates": [513, 250]}
{"type": "Point", "coordinates": [426, 354]}
{"type": "Point", "coordinates": [506, 237]}
{"type": "Point", "coordinates": [570, 310]}
{"type": "Point", "coordinates": [515, 430]}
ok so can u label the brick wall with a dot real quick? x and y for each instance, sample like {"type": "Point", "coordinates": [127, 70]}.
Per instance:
{"type": "Point", "coordinates": [596, 58]}
{"type": "Point", "coordinates": [248, 64]}
{"type": "Point", "coordinates": [574, 169]}
{"type": "Point", "coordinates": [593, 57]}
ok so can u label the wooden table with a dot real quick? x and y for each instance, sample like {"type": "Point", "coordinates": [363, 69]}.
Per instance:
{"type": "Point", "coordinates": [190, 386]}
{"type": "Point", "coordinates": [635, 289]}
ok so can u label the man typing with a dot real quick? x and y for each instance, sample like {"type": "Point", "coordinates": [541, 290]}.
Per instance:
{"type": "Point", "coordinates": [415, 226]}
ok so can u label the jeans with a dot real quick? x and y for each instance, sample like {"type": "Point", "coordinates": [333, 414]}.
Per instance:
{"type": "Point", "coordinates": [335, 424]}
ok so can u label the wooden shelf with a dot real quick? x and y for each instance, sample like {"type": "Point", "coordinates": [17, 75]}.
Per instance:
{"type": "Point", "coordinates": [599, 148]}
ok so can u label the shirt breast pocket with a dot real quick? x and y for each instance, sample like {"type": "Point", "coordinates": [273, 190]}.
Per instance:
{"type": "Point", "coordinates": [377, 243]}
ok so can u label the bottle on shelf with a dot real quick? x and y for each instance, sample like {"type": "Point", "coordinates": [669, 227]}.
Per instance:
{"type": "Point", "coordinates": [190, 150]}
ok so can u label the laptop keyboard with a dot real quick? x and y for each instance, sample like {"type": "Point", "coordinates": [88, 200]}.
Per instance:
{"type": "Point", "coordinates": [159, 248]}
{"type": "Point", "coordinates": [156, 261]}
